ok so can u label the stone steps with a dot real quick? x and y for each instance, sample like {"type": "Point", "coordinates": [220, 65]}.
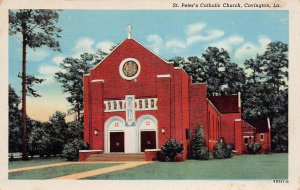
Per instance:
{"type": "Point", "coordinates": [116, 157]}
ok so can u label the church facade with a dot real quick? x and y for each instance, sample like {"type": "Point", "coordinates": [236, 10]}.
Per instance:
{"type": "Point", "coordinates": [134, 100]}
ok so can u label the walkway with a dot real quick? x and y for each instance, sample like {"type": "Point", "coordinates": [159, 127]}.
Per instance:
{"type": "Point", "coordinates": [125, 165]}
{"type": "Point", "coordinates": [122, 166]}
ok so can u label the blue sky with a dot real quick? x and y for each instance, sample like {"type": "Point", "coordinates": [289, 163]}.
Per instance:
{"type": "Point", "coordinates": [168, 33]}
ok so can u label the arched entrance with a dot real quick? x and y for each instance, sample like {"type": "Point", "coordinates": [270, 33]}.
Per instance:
{"type": "Point", "coordinates": [147, 133]}
{"type": "Point", "coordinates": [114, 135]}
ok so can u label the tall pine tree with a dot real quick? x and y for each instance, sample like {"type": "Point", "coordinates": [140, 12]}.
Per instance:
{"type": "Point", "coordinates": [37, 28]}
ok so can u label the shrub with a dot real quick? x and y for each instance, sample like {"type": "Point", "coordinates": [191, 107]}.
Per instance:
{"type": "Point", "coordinates": [199, 149]}
{"type": "Point", "coordinates": [221, 151]}
{"type": "Point", "coordinates": [228, 151]}
{"type": "Point", "coordinates": [253, 147]}
{"type": "Point", "coordinates": [71, 149]}
{"type": "Point", "coordinates": [170, 149]}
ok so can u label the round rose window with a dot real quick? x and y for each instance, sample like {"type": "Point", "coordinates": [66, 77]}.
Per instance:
{"type": "Point", "coordinates": [129, 68]}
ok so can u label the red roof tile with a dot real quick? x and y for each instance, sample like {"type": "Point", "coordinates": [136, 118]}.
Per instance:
{"type": "Point", "coordinates": [225, 104]}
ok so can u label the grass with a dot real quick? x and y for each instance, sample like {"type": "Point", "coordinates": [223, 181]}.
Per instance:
{"type": "Point", "coordinates": [34, 162]}
{"type": "Point", "coordinates": [52, 172]}
{"type": "Point", "coordinates": [251, 167]}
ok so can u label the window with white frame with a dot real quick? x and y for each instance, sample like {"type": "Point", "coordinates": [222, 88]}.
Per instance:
{"type": "Point", "coordinates": [262, 137]}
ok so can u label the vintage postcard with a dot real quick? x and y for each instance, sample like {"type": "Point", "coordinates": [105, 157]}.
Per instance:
{"type": "Point", "coordinates": [149, 94]}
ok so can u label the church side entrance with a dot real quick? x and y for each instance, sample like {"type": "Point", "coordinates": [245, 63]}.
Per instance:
{"type": "Point", "coordinates": [148, 140]}
{"type": "Point", "coordinates": [116, 141]}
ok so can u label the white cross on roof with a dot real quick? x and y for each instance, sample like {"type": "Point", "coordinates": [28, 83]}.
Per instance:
{"type": "Point", "coordinates": [129, 28]}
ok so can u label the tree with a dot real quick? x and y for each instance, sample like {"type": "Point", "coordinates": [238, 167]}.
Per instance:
{"type": "Point", "coordinates": [14, 121]}
{"type": "Point", "coordinates": [275, 60]}
{"type": "Point", "coordinates": [74, 141]}
{"type": "Point", "coordinates": [216, 69]}
{"type": "Point", "coordinates": [37, 28]}
{"type": "Point", "coordinates": [57, 131]}
{"type": "Point", "coordinates": [266, 91]}
{"type": "Point", "coordinates": [39, 139]}
{"type": "Point", "coordinates": [71, 78]}
{"type": "Point", "coordinates": [199, 149]}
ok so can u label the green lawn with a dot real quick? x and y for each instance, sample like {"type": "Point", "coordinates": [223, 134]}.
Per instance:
{"type": "Point", "coordinates": [52, 172]}
{"type": "Point", "coordinates": [33, 162]}
{"type": "Point", "coordinates": [252, 167]}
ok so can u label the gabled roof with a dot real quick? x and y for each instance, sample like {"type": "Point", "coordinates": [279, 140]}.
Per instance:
{"type": "Point", "coordinates": [226, 104]}
{"type": "Point", "coordinates": [261, 125]}
{"type": "Point", "coordinates": [126, 42]}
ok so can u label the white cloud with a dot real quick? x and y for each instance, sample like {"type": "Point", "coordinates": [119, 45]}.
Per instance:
{"type": "Point", "coordinates": [155, 41]}
{"type": "Point", "coordinates": [194, 33]}
{"type": "Point", "coordinates": [175, 43]}
{"type": "Point", "coordinates": [84, 45]}
{"type": "Point", "coordinates": [211, 35]}
{"type": "Point", "coordinates": [37, 55]}
{"type": "Point", "coordinates": [58, 59]}
{"type": "Point", "coordinates": [250, 50]}
{"type": "Point", "coordinates": [105, 46]}
{"type": "Point", "coordinates": [194, 28]}
{"type": "Point", "coordinates": [47, 72]}
{"type": "Point", "coordinates": [228, 42]}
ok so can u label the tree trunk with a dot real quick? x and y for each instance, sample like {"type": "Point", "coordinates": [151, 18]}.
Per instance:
{"type": "Point", "coordinates": [24, 124]}
{"type": "Point", "coordinates": [78, 115]}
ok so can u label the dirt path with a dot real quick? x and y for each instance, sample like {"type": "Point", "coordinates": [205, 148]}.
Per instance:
{"type": "Point", "coordinates": [125, 165]}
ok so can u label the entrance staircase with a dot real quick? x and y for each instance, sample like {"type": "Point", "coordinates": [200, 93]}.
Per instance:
{"type": "Point", "coordinates": [116, 157]}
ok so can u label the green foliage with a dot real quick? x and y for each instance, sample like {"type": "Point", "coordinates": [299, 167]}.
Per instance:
{"type": "Point", "coordinates": [280, 134]}
{"type": "Point", "coordinates": [215, 68]}
{"type": "Point", "coordinates": [38, 26]}
{"type": "Point", "coordinates": [71, 78]}
{"type": "Point", "coordinates": [221, 151]}
{"type": "Point", "coordinates": [265, 93]}
{"type": "Point", "coordinates": [74, 141]}
{"type": "Point", "coordinates": [14, 121]}
{"type": "Point", "coordinates": [71, 149]}
{"type": "Point", "coordinates": [37, 29]}
{"type": "Point", "coordinates": [57, 131]}
{"type": "Point", "coordinates": [171, 148]}
{"type": "Point", "coordinates": [253, 147]}
{"type": "Point", "coordinates": [199, 149]}
{"type": "Point", "coordinates": [39, 139]}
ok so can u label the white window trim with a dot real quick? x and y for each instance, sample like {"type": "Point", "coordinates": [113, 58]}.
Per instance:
{"type": "Point", "coordinates": [121, 69]}
{"type": "Point", "coordinates": [261, 135]}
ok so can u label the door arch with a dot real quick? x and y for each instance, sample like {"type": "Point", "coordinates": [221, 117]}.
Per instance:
{"type": "Point", "coordinates": [146, 124]}
{"type": "Point", "coordinates": [113, 125]}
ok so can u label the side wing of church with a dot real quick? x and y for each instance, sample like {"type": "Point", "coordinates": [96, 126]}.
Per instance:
{"type": "Point", "coordinates": [134, 100]}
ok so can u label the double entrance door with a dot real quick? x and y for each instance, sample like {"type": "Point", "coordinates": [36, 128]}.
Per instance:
{"type": "Point", "coordinates": [147, 141]}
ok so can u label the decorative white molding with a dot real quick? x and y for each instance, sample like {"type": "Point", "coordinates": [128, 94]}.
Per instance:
{"type": "Point", "coordinates": [98, 80]}
{"type": "Point", "coordinates": [90, 150]}
{"type": "Point", "coordinates": [237, 119]}
{"type": "Point", "coordinates": [130, 110]}
{"type": "Point", "coordinates": [164, 76]}
{"type": "Point", "coordinates": [140, 127]}
{"type": "Point", "coordinates": [248, 136]}
{"type": "Point", "coordinates": [239, 99]}
{"type": "Point", "coordinates": [269, 124]}
{"type": "Point", "coordinates": [86, 74]}
{"type": "Point", "coordinates": [110, 105]}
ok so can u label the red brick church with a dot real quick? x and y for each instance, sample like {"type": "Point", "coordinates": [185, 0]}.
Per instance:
{"type": "Point", "coordinates": [134, 100]}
